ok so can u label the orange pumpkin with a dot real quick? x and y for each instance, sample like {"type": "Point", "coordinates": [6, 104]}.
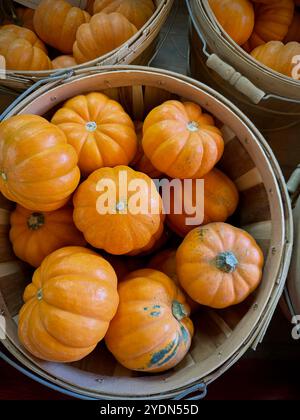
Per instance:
{"type": "Point", "coordinates": [56, 23]}
{"type": "Point", "coordinates": [219, 265]}
{"type": "Point", "coordinates": [157, 241]}
{"type": "Point", "coordinates": [64, 62]}
{"type": "Point", "coordinates": [272, 22]}
{"type": "Point", "coordinates": [278, 57]}
{"type": "Point", "coordinates": [99, 129]}
{"type": "Point", "coordinates": [16, 32]}
{"type": "Point", "coordinates": [25, 16]}
{"type": "Point", "coordinates": [236, 17]}
{"type": "Point", "coordinates": [138, 12]}
{"type": "Point", "coordinates": [38, 167]}
{"type": "Point", "coordinates": [36, 235]}
{"type": "Point", "coordinates": [68, 306]}
{"type": "Point", "coordinates": [165, 261]}
{"type": "Point", "coordinates": [294, 29]}
{"type": "Point", "coordinates": [220, 201]}
{"type": "Point", "coordinates": [181, 141]}
{"type": "Point", "coordinates": [109, 215]}
{"type": "Point", "coordinates": [104, 33]}
{"type": "Point", "coordinates": [151, 331]}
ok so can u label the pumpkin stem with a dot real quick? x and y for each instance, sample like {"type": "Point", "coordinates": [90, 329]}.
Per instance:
{"type": "Point", "coordinates": [178, 310]}
{"type": "Point", "coordinates": [193, 126]}
{"type": "Point", "coordinates": [35, 221]}
{"type": "Point", "coordinates": [3, 175]}
{"type": "Point", "coordinates": [226, 262]}
{"type": "Point", "coordinates": [40, 294]}
{"type": "Point", "coordinates": [121, 206]}
{"type": "Point", "coordinates": [91, 126]}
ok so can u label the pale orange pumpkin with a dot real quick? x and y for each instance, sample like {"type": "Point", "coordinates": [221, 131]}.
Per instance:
{"type": "Point", "coordinates": [100, 131]}
{"type": "Point", "coordinates": [220, 201]}
{"type": "Point", "coordinates": [56, 23]}
{"type": "Point", "coordinates": [138, 12]}
{"type": "Point", "coordinates": [25, 16]}
{"type": "Point", "coordinates": [151, 331]}
{"type": "Point", "coordinates": [35, 235]}
{"type": "Point", "coordinates": [236, 17]}
{"type": "Point", "coordinates": [63, 62]}
{"type": "Point", "coordinates": [38, 167]}
{"type": "Point", "coordinates": [109, 215]}
{"type": "Point", "coordinates": [278, 57]}
{"type": "Point", "coordinates": [68, 306]}
{"type": "Point", "coordinates": [219, 265]}
{"type": "Point", "coordinates": [17, 32]}
{"type": "Point", "coordinates": [181, 141]}
{"type": "Point", "coordinates": [104, 33]}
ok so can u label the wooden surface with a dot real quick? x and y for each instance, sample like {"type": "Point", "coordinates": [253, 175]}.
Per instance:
{"type": "Point", "coordinates": [270, 373]}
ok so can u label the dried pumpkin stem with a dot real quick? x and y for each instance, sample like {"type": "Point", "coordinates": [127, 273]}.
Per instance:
{"type": "Point", "coordinates": [178, 310]}
{"type": "Point", "coordinates": [193, 126]}
{"type": "Point", "coordinates": [35, 221]}
{"type": "Point", "coordinates": [226, 262]}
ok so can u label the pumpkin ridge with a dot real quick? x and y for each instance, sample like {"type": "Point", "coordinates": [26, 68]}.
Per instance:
{"type": "Point", "coordinates": [104, 138]}
{"type": "Point", "coordinates": [158, 151]}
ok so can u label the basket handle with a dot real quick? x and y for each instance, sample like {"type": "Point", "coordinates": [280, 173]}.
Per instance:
{"type": "Point", "coordinates": [200, 389]}
{"type": "Point", "coordinates": [236, 79]}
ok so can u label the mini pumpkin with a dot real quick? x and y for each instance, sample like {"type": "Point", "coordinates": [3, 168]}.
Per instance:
{"type": "Point", "coordinates": [236, 17]}
{"type": "Point", "coordinates": [138, 12]}
{"type": "Point", "coordinates": [104, 33]}
{"type": "Point", "coordinates": [68, 306]}
{"type": "Point", "coordinates": [181, 141]}
{"type": "Point", "coordinates": [38, 167]}
{"type": "Point", "coordinates": [293, 34]}
{"type": "Point", "coordinates": [25, 16]}
{"type": "Point", "coordinates": [219, 265]}
{"type": "Point", "coordinates": [64, 62]}
{"type": "Point", "coordinates": [100, 131]}
{"type": "Point", "coordinates": [277, 56]}
{"type": "Point", "coordinates": [35, 235]}
{"type": "Point", "coordinates": [220, 201]}
{"type": "Point", "coordinates": [118, 210]}
{"type": "Point", "coordinates": [17, 32]}
{"type": "Point", "coordinates": [56, 23]}
{"type": "Point", "coordinates": [151, 331]}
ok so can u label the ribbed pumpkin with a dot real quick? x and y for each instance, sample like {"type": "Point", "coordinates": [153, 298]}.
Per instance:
{"type": "Point", "coordinates": [100, 131]}
{"type": "Point", "coordinates": [108, 219]}
{"type": "Point", "coordinates": [165, 261]}
{"type": "Point", "coordinates": [104, 33]}
{"type": "Point", "coordinates": [36, 235]}
{"type": "Point", "coordinates": [294, 29]}
{"type": "Point", "coordinates": [220, 201]}
{"type": "Point", "coordinates": [181, 141]}
{"type": "Point", "coordinates": [277, 56]}
{"type": "Point", "coordinates": [68, 306]}
{"type": "Point", "coordinates": [236, 17]}
{"type": "Point", "coordinates": [56, 23]}
{"type": "Point", "coordinates": [63, 62]}
{"type": "Point", "coordinates": [25, 16]}
{"type": "Point", "coordinates": [158, 240]}
{"type": "Point", "coordinates": [272, 22]}
{"type": "Point", "coordinates": [38, 167]}
{"type": "Point", "coordinates": [138, 12]}
{"type": "Point", "coordinates": [22, 49]}
{"type": "Point", "coordinates": [151, 331]}
{"type": "Point", "coordinates": [219, 265]}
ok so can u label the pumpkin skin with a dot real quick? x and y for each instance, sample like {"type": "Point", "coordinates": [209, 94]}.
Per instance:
{"type": "Point", "coordinates": [151, 331]}
{"type": "Point", "coordinates": [272, 22]}
{"type": "Point", "coordinates": [293, 34]}
{"type": "Point", "coordinates": [165, 261]}
{"type": "Point", "coordinates": [38, 167]}
{"type": "Point", "coordinates": [138, 12]}
{"type": "Point", "coordinates": [118, 231]}
{"type": "Point", "coordinates": [25, 16]}
{"type": "Point", "coordinates": [68, 306]}
{"type": "Point", "coordinates": [100, 131]}
{"type": "Point", "coordinates": [181, 141]}
{"type": "Point", "coordinates": [221, 198]}
{"type": "Point", "coordinates": [64, 62]}
{"type": "Point", "coordinates": [56, 23]}
{"type": "Point", "coordinates": [277, 56]}
{"type": "Point", "coordinates": [104, 33]}
{"type": "Point", "coordinates": [16, 32]}
{"type": "Point", "coordinates": [36, 235]}
{"type": "Point", "coordinates": [236, 17]}
{"type": "Point", "coordinates": [219, 265]}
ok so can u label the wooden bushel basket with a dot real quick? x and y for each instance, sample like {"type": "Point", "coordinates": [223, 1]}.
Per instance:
{"type": "Point", "coordinates": [137, 50]}
{"type": "Point", "coordinates": [271, 99]}
{"type": "Point", "coordinates": [222, 337]}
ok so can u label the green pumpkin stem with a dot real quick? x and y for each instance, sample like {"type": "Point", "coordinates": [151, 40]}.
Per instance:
{"type": "Point", "coordinates": [35, 221]}
{"type": "Point", "coordinates": [178, 310]}
{"type": "Point", "coordinates": [226, 262]}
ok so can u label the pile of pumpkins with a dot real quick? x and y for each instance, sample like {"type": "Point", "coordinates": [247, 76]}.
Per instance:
{"type": "Point", "coordinates": [80, 35]}
{"type": "Point", "coordinates": [116, 275]}
{"type": "Point", "coordinates": [269, 30]}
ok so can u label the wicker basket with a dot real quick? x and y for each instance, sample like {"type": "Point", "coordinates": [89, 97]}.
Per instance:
{"type": "Point", "coordinates": [272, 100]}
{"type": "Point", "coordinates": [137, 50]}
{"type": "Point", "coordinates": [222, 337]}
